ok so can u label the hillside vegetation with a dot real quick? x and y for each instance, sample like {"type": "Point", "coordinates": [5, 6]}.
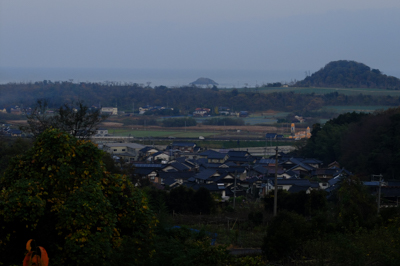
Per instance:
{"type": "Point", "coordinates": [349, 74]}
{"type": "Point", "coordinates": [186, 99]}
{"type": "Point", "coordinates": [363, 143]}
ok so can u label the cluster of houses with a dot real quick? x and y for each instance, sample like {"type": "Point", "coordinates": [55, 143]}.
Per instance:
{"type": "Point", "coordinates": [16, 110]}
{"type": "Point", "coordinates": [150, 108]}
{"type": "Point", "coordinates": [224, 172]}
{"type": "Point", "coordinates": [200, 112]}
{"type": "Point", "coordinates": [108, 110]}
{"type": "Point", "coordinates": [7, 130]}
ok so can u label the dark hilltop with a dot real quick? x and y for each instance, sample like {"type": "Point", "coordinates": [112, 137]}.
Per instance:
{"type": "Point", "coordinates": [349, 74]}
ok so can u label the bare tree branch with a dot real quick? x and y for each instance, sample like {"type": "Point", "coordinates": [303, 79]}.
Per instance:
{"type": "Point", "coordinates": [75, 118]}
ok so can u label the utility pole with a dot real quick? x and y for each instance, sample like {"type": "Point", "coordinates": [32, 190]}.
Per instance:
{"type": "Point", "coordinates": [234, 191]}
{"type": "Point", "coordinates": [379, 191]}
{"type": "Point", "coordinates": [276, 182]}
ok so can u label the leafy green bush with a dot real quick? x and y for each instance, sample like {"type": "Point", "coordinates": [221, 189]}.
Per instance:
{"type": "Point", "coordinates": [59, 194]}
{"type": "Point", "coordinates": [285, 234]}
{"type": "Point", "coordinates": [203, 202]}
{"type": "Point", "coordinates": [389, 214]}
{"type": "Point", "coordinates": [300, 202]}
{"type": "Point", "coordinates": [378, 246]}
{"type": "Point", "coordinates": [184, 200]}
{"type": "Point", "coordinates": [256, 217]}
{"type": "Point", "coordinates": [248, 261]}
{"type": "Point", "coordinates": [183, 246]}
{"type": "Point", "coordinates": [355, 206]}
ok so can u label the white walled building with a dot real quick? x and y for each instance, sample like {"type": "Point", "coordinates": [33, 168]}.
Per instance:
{"type": "Point", "coordinates": [109, 110]}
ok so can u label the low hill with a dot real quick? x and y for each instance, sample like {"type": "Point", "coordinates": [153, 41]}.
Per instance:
{"type": "Point", "coordinates": [349, 74]}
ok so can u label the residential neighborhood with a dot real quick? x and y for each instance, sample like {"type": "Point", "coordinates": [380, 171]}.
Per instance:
{"type": "Point", "coordinates": [240, 133]}
{"type": "Point", "coordinates": [186, 164]}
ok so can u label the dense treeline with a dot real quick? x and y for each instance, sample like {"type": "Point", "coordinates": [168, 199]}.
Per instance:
{"type": "Point", "coordinates": [363, 143]}
{"type": "Point", "coordinates": [186, 99]}
{"type": "Point", "coordinates": [179, 122]}
{"type": "Point", "coordinates": [181, 200]}
{"type": "Point", "coordinates": [341, 229]}
{"type": "Point", "coordinates": [349, 74]}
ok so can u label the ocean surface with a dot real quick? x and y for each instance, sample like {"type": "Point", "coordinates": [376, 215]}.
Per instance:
{"type": "Point", "coordinates": [156, 77]}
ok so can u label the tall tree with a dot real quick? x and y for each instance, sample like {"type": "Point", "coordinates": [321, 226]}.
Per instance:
{"type": "Point", "coordinates": [76, 119]}
{"type": "Point", "coordinates": [59, 194]}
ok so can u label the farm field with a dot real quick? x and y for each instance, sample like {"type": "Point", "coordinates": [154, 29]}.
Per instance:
{"type": "Point", "coordinates": [250, 120]}
{"type": "Point", "coordinates": [212, 134]}
{"type": "Point", "coordinates": [259, 118]}
{"type": "Point", "coordinates": [267, 118]}
{"type": "Point", "coordinates": [158, 133]}
{"type": "Point", "coordinates": [346, 91]}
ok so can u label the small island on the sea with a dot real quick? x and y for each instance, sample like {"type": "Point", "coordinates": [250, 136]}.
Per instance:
{"type": "Point", "coordinates": [204, 81]}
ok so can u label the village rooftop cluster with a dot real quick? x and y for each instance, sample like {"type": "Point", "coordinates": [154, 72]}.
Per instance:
{"type": "Point", "coordinates": [186, 164]}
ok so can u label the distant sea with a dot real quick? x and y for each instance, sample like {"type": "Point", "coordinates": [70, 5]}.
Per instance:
{"type": "Point", "coordinates": [157, 77]}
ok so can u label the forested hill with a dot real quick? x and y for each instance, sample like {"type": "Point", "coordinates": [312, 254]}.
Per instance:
{"type": "Point", "coordinates": [349, 74]}
{"type": "Point", "coordinates": [186, 99]}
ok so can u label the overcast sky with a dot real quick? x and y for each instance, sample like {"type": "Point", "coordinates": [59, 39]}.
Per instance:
{"type": "Point", "coordinates": [187, 34]}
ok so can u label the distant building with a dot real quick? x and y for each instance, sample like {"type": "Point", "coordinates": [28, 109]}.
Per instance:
{"type": "Point", "coordinates": [270, 136]}
{"type": "Point", "coordinates": [299, 135]}
{"type": "Point", "coordinates": [223, 110]}
{"type": "Point", "coordinates": [146, 108]}
{"type": "Point", "coordinates": [16, 110]}
{"type": "Point", "coordinates": [184, 146]}
{"type": "Point", "coordinates": [299, 118]}
{"type": "Point", "coordinates": [243, 114]}
{"type": "Point", "coordinates": [292, 129]}
{"type": "Point", "coordinates": [201, 111]}
{"type": "Point", "coordinates": [128, 152]}
{"type": "Point", "coordinates": [101, 132]}
{"type": "Point", "coordinates": [109, 110]}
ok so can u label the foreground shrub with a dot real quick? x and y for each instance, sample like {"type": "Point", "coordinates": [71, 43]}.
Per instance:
{"type": "Point", "coordinates": [183, 246]}
{"type": "Point", "coordinates": [366, 247]}
{"type": "Point", "coordinates": [256, 217]}
{"type": "Point", "coordinates": [285, 235]}
{"type": "Point", "coordinates": [59, 194]}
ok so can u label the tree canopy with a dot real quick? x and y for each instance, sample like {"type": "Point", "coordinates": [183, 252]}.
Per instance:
{"type": "Point", "coordinates": [76, 119]}
{"type": "Point", "coordinates": [363, 143]}
{"type": "Point", "coordinates": [59, 194]}
{"type": "Point", "coordinates": [186, 99]}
